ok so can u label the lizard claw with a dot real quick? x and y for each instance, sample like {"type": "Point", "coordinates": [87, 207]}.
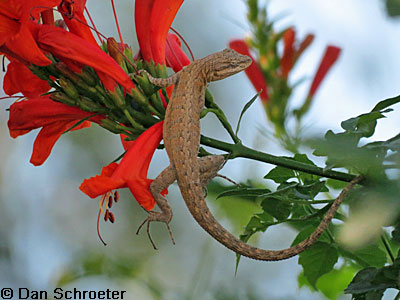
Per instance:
{"type": "Point", "coordinates": [159, 217]}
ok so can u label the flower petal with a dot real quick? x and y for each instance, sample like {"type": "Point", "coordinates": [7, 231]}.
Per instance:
{"type": "Point", "coordinates": [65, 44]}
{"type": "Point", "coordinates": [330, 56]}
{"type": "Point", "coordinates": [176, 58]}
{"type": "Point", "coordinates": [253, 72]}
{"type": "Point", "coordinates": [19, 78]}
{"type": "Point", "coordinates": [47, 138]}
{"type": "Point", "coordinates": [287, 59]}
{"type": "Point", "coordinates": [131, 171]}
{"type": "Point", "coordinates": [143, 10]}
{"type": "Point", "coordinates": [162, 16]}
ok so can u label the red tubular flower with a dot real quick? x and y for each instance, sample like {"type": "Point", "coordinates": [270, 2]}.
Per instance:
{"type": "Point", "coordinates": [175, 57]}
{"type": "Point", "coordinates": [19, 79]}
{"type": "Point", "coordinates": [330, 56]}
{"type": "Point", "coordinates": [287, 59]}
{"type": "Point", "coordinates": [162, 16]}
{"type": "Point", "coordinates": [131, 172]}
{"type": "Point", "coordinates": [54, 118]}
{"type": "Point", "coordinates": [153, 18]}
{"type": "Point", "coordinates": [72, 13]}
{"type": "Point", "coordinates": [143, 10]}
{"type": "Point", "coordinates": [253, 72]}
{"type": "Point", "coordinates": [63, 44]}
{"type": "Point", "coordinates": [16, 29]}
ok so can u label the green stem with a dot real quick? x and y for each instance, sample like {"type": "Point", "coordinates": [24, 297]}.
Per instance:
{"type": "Point", "coordinates": [239, 150]}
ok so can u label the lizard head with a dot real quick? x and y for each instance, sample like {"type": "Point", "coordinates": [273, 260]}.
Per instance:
{"type": "Point", "coordinates": [227, 63]}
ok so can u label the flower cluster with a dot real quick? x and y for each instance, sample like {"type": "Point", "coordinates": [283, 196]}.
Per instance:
{"type": "Point", "coordinates": [68, 81]}
{"type": "Point", "coordinates": [271, 67]}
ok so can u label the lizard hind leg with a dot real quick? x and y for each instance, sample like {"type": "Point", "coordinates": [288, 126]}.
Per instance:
{"type": "Point", "coordinates": [163, 180]}
{"type": "Point", "coordinates": [209, 167]}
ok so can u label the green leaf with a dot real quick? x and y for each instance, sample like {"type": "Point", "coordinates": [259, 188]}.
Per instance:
{"type": "Point", "coordinates": [393, 8]}
{"type": "Point", "coordinates": [390, 101]}
{"type": "Point", "coordinates": [244, 192]}
{"type": "Point", "coordinates": [372, 254]}
{"type": "Point", "coordinates": [363, 124]}
{"type": "Point", "coordinates": [306, 232]}
{"type": "Point", "coordinates": [333, 283]}
{"type": "Point", "coordinates": [317, 261]}
{"type": "Point", "coordinates": [363, 282]}
{"type": "Point", "coordinates": [336, 184]}
{"type": "Point", "coordinates": [276, 208]}
{"type": "Point", "coordinates": [245, 108]}
{"type": "Point", "coordinates": [309, 191]}
{"type": "Point", "coordinates": [280, 174]}
{"type": "Point", "coordinates": [396, 233]}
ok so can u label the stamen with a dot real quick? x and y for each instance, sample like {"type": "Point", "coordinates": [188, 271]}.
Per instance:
{"type": "Point", "coordinates": [116, 196]}
{"type": "Point", "coordinates": [110, 201]}
{"type": "Point", "coordinates": [107, 215]}
{"type": "Point", "coordinates": [111, 217]}
{"type": "Point", "coordinates": [184, 41]}
{"type": "Point", "coordinates": [98, 228]}
{"type": "Point", "coordinates": [116, 22]}
{"type": "Point", "coordinates": [93, 25]}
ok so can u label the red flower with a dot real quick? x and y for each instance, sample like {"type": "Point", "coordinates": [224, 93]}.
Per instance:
{"type": "Point", "coordinates": [17, 31]}
{"type": "Point", "coordinates": [175, 57]}
{"type": "Point", "coordinates": [288, 56]}
{"type": "Point", "coordinates": [131, 172]}
{"type": "Point", "coordinates": [64, 44]}
{"type": "Point", "coordinates": [153, 18]}
{"type": "Point", "coordinates": [330, 56]}
{"type": "Point", "coordinates": [53, 117]}
{"type": "Point", "coordinates": [253, 72]}
{"type": "Point", "coordinates": [19, 79]}
{"type": "Point", "coordinates": [72, 13]}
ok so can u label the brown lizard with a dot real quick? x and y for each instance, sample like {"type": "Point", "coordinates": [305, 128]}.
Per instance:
{"type": "Point", "coordinates": [181, 134]}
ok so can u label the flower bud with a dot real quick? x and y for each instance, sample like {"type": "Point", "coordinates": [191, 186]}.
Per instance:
{"type": "Point", "coordinates": [68, 88]}
{"type": "Point", "coordinates": [61, 97]}
{"type": "Point", "coordinates": [114, 50]}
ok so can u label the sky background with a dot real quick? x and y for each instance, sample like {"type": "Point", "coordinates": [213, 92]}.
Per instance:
{"type": "Point", "coordinates": [47, 225]}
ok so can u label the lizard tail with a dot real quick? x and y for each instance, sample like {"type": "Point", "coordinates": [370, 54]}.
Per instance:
{"type": "Point", "coordinates": [199, 210]}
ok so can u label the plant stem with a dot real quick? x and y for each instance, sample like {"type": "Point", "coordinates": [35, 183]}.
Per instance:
{"type": "Point", "coordinates": [239, 150]}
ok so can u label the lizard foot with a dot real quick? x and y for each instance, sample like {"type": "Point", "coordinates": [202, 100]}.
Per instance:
{"type": "Point", "coordinates": [158, 217]}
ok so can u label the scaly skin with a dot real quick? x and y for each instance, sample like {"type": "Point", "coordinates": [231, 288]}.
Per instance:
{"type": "Point", "coordinates": [181, 136]}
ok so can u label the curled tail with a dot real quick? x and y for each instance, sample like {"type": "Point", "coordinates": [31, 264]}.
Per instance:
{"type": "Point", "coordinates": [192, 193]}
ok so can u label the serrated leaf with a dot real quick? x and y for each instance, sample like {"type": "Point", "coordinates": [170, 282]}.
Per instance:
{"type": "Point", "coordinates": [276, 208]}
{"type": "Point", "coordinates": [280, 174]}
{"type": "Point", "coordinates": [245, 108]}
{"type": "Point", "coordinates": [317, 261]}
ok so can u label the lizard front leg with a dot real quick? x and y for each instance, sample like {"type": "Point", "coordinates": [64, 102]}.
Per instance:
{"type": "Point", "coordinates": [209, 166]}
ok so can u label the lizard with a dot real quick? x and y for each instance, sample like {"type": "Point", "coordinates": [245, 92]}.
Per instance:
{"type": "Point", "coordinates": [181, 135]}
